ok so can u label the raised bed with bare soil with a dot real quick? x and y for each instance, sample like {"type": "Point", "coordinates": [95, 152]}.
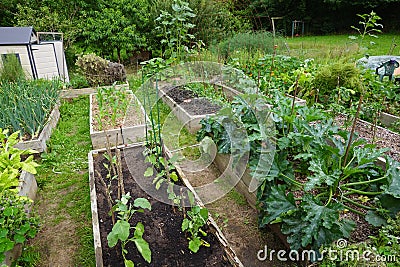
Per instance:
{"type": "Point", "coordinates": [39, 143]}
{"type": "Point", "coordinates": [168, 243]}
{"type": "Point", "coordinates": [187, 107]}
{"type": "Point", "coordinates": [129, 128]}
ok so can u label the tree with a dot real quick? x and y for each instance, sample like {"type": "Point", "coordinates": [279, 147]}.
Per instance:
{"type": "Point", "coordinates": [118, 26]}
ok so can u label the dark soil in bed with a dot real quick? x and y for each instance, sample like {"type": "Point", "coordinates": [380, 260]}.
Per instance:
{"type": "Point", "coordinates": [168, 244]}
{"type": "Point", "coordinates": [181, 95]}
{"type": "Point", "coordinates": [188, 100]}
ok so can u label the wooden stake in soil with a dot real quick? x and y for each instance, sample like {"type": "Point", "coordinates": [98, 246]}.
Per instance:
{"type": "Point", "coordinates": [109, 199]}
{"type": "Point", "coordinates": [352, 130]}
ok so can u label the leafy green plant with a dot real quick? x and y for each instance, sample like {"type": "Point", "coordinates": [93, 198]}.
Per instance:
{"type": "Point", "coordinates": [165, 168]}
{"type": "Point", "coordinates": [26, 105]}
{"type": "Point", "coordinates": [16, 225]}
{"type": "Point", "coordinates": [77, 80]}
{"type": "Point", "coordinates": [197, 218]}
{"type": "Point", "coordinates": [174, 29]}
{"type": "Point", "coordinates": [155, 65]}
{"type": "Point", "coordinates": [122, 228]}
{"type": "Point", "coordinates": [11, 163]}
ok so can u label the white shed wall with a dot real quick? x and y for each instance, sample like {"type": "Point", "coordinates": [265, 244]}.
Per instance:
{"type": "Point", "coordinates": [62, 63]}
{"type": "Point", "coordinates": [45, 61]}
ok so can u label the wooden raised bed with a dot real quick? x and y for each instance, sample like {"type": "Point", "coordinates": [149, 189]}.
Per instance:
{"type": "Point", "coordinates": [39, 144]}
{"type": "Point", "coordinates": [72, 93]}
{"type": "Point", "coordinates": [126, 134]}
{"type": "Point", "coordinates": [191, 122]}
{"type": "Point", "coordinates": [388, 119]}
{"type": "Point", "coordinates": [27, 187]}
{"type": "Point", "coordinates": [229, 253]}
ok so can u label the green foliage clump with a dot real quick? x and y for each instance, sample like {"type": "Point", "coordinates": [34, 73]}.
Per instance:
{"type": "Point", "coordinates": [77, 81]}
{"type": "Point", "coordinates": [26, 105]}
{"type": "Point", "coordinates": [11, 163]}
{"type": "Point", "coordinates": [338, 74]}
{"type": "Point", "coordinates": [16, 226]}
{"type": "Point", "coordinates": [11, 69]}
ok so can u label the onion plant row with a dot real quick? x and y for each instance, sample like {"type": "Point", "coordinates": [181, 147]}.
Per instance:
{"type": "Point", "coordinates": [26, 105]}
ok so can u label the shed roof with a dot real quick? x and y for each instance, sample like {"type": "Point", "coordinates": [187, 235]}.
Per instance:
{"type": "Point", "coordinates": [17, 35]}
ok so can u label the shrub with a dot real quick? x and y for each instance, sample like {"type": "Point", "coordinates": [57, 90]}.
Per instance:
{"type": "Point", "coordinates": [338, 74]}
{"type": "Point", "coordinates": [99, 71]}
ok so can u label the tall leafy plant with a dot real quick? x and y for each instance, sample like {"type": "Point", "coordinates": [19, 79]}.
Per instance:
{"type": "Point", "coordinates": [369, 26]}
{"type": "Point", "coordinates": [174, 28]}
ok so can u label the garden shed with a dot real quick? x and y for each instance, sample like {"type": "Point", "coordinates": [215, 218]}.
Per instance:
{"type": "Point", "coordinates": [41, 54]}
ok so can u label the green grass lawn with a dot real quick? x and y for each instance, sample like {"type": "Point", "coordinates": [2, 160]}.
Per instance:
{"type": "Point", "coordinates": [328, 47]}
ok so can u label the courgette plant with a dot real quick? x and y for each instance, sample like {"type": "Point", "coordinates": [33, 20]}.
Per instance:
{"type": "Point", "coordinates": [312, 182]}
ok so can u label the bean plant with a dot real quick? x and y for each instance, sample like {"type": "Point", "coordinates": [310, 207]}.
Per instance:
{"type": "Point", "coordinates": [121, 230]}
{"type": "Point", "coordinates": [197, 218]}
